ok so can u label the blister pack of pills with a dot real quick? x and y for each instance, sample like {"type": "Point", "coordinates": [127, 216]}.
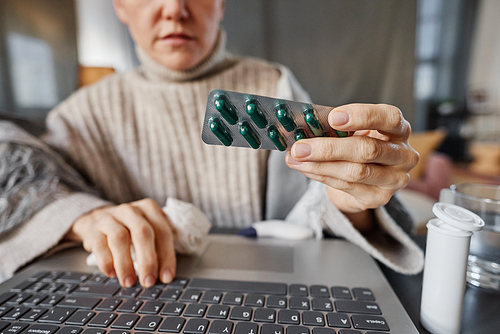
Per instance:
{"type": "Point", "coordinates": [244, 120]}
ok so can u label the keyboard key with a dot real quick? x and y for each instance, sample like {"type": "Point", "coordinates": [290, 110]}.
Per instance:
{"type": "Point", "coordinates": [341, 292]}
{"type": "Point", "coordinates": [130, 293]}
{"type": "Point", "coordinates": [264, 315]}
{"type": "Point", "coordinates": [33, 314]}
{"type": "Point", "coordinates": [52, 276]}
{"type": "Point", "coordinates": [172, 325]}
{"type": "Point", "coordinates": [195, 310]}
{"type": "Point", "coordinates": [15, 313]}
{"type": "Point", "coordinates": [56, 316]}
{"type": "Point", "coordinates": [151, 307]}
{"type": "Point", "coordinates": [70, 330]}
{"type": "Point", "coordinates": [36, 287]}
{"type": "Point", "coordinates": [349, 331]}
{"type": "Point", "coordinates": [255, 300]}
{"type": "Point", "coordinates": [130, 306]}
{"type": "Point", "coordinates": [22, 286]}
{"type": "Point", "coordinates": [241, 313]}
{"type": "Point", "coordinates": [290, 317]}
{"type": "Point", "coordinates": [19, 298]}
{"type": "Point", "coordinates": [320, 291]}
{"type": "Point", "coordinates": [96, 290]}
{"type": "Point", "coordinates": [98, 278]}
{"type": "Point", "coordinates": [151, 293]}
{"type": "Point", "coordinates": [218, 312]}
{"type": "Point", "coordinates": [38, 276]}
{"type": "Point", "coordinates": [338, 320]}
{"type": "Point", "coordinates": [14, 328]}
{"type": "Point", "coordinates": [4, 310]}
{"type": "Point", "coordinates": [322, 304]}
{"type": "Point", "coordinates": [34, 300]}
{"type": "Point", "coordinates": [221, 327]}
{"type": "Point", "coordinates": [179, 282]}
{"type": "Point", "coordinates": [271, 329]}
{"type": "Point", "coordinates": [246, 328]}
{"type": "Point", "coordinates": [148, 323]}
{"type": "Point", "coordinates": [299, 303]}
{"type": "Point", "coordinates": [233, 298]}
{"type": "Point", "coordinates": [113, 281]}
{"type": "Point", "coordinates": [320, 330]}
{"type": "Point", "coordinates": [125, 321]}
{"type": "Point", "coordinates": [196, 326]}
{"type": "Point", "coordinates": [311, 318]}
{"type": "Point", "coordinates": [67, 288]}
{"type": "Point", "coordinates": [103, 319]}
{"type": "Point", "coordinates": [86, 303]}
{"type": "Point", "coordinates": [94, 331]}
{"type": "Point", "coordinates": [109, 304]}
{"type": "Point", "coordinates": [6, 296]}
{"type": "Point", "coordinates": [211, 297]}
{"type": "Point", "coordinates": [51, 301]}
{"type": "Point", "coordinates": [299, 290]}
{"type": "Point", "coordinates": [297, 330]}
{"type": "Point", "coordinates": [173, 309]}
{"type": "Point", "coordinates": [277, 302]}
{"type": "Point", "coordinates": [363, 294]}
{"type": "Point", "coordinates": [190, 296]}
{"type": "Point", "coordinates": [51, 288]}
{"type": "Point", "coordinates": [369, 322]}
{"type": "Point", "coordinates": [41, 328]}
{"type": "Point", "coordinates": [116, 331]}
{"type": "Point", "coordinates": [80, 318]}
{"type": "Point", "coordinates": [73, 277]}
{"type": "Point", "coordinates": [170, 294]}
{"type": "Point", "coordinates": [354, 306]}
{"type": "Point", "coordinates": [239, 286]}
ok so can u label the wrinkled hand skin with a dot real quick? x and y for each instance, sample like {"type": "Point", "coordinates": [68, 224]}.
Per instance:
{"type": "Point", "coordinates": [363, 171]}
{"type": "Point", "coordinates": [109, 231]}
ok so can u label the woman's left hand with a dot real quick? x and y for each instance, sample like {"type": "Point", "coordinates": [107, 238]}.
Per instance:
{"type": "Point", "coordinates": [362, 171]}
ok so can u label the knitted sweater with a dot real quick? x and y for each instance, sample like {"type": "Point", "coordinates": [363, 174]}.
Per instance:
{"type": "Point", "coordinates": [137, 135]}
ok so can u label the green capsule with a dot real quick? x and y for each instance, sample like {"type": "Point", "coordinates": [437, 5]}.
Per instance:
{"type": "Point", "coordinates": [249, 135]}
{"type": "Point", "coordinates": [225, 109]}
{"type": "Point", "coordinates": [312, 122]}
{"type": "Point", "coordinates": [285, 118]}
{"type": "Point", "coordinates": [255, 113]}
{"type": "Point", "coordinates": [218, 128]}
{"type": "Point", "coordinates": [299, 134]}
{"type": "Point", "coordinates": [276, 138]}
{"type": "Point", "coordinates": [342, 133]}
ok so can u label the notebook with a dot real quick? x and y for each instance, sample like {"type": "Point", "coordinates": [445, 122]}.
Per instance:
{"type": "Point", "coordinates": [232, 285]}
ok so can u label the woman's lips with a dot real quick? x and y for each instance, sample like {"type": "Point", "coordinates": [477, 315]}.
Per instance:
{"type": "Point", "coordinates": [177, 39]}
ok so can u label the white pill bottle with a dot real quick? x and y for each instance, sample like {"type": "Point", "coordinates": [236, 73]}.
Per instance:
{"type": "Point", "coordinates": [448, 240]}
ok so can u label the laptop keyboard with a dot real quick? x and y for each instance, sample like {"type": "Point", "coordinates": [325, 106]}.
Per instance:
{"type": "Point", "coordinates": [65, 302]}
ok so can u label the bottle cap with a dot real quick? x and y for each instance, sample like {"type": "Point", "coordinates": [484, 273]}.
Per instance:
{"type": "Point", "coordinates": [458, 217]}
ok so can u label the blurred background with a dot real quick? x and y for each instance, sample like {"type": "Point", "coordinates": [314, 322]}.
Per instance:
{"type": "Point", "coordinates": [437, 60]}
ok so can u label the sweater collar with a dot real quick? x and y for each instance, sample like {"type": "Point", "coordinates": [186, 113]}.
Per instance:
{"type": "Point", "coordinates": [215, 60]}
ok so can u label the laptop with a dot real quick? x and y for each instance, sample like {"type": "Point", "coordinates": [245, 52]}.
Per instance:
{"type": "Point", "coordinates": [232, 285]}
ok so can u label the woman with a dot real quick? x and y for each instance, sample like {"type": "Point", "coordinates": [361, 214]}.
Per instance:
{"type": "Point", "coordinates": [136, 137]}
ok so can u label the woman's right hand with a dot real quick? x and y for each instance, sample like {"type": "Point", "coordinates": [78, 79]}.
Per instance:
{"type": "Point", "coordinates": [108, 232]}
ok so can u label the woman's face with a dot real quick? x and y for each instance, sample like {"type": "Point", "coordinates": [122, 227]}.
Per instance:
{"type": "Point", "coordinates": [178, 34]}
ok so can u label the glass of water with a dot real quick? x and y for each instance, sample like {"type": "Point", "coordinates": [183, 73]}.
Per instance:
{"type": "Point", "coordinates": [483, 269]}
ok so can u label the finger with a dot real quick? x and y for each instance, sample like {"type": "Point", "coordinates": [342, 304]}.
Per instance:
{"type": "Point", "coordinates": [118, 238]}
{"type": "Point", "coordinates": [358, 149]}
{"type": "Point", "coordinates": [369, 174]}
{"type": "Point", "coordinates": [362, 196]}
{"type": "Point", "coordinates": [103, 256]}
{"type": "Point", "coordinates": [143, 239]}
{"type": "Point", "coordinates": [385, 118]}
{"type": "Point", "coordinates": [165, 234]}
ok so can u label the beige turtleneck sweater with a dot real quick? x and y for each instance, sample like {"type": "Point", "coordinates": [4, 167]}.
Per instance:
{"type": "Point", "coordinates": [138, 135]}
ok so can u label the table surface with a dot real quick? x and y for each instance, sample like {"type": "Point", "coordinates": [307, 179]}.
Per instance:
{"type": "Point", "coordinates": [481, 311]}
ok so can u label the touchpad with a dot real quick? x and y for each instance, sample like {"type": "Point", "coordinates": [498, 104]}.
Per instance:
{"type": "Point", "coordinates": [248, 257]}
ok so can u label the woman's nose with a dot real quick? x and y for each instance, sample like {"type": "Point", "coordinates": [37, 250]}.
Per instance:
{"type": "Point", "coordinates": [175, 10]}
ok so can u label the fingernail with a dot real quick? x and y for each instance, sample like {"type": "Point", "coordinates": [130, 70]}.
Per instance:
{"type": "Point", "coordinates": [166, 276]}
{"type": "Point", "coordinates": [339, 118]}
{"type": "Point", "coordinates": [129, 281]}
{"type": "Point", "coordinates": [150, 280]}
{"type": "Point", "coordinates": [292, 161]}
{"type": "Point", "coordinates": [301, 150]}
